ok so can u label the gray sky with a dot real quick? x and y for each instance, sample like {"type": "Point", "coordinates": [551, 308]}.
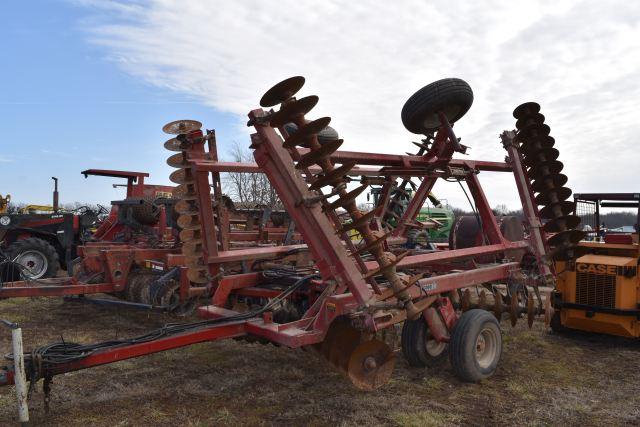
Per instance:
{"type": "Point", "coordinates": [579, 59]}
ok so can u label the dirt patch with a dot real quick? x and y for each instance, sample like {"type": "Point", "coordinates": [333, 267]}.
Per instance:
{"type": "Point", "coordinates": [542, 379]}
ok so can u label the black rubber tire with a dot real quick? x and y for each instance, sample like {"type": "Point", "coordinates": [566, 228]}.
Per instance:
{"type": "Point", "coordinates": [462, 346]}
{"type": "Point", "coordinates": [465, 232]}
{"type": "Point", "coordinates": [556, 324]}
{"type": "Point", "coordinates": [452, 96]}
{"type": "Point", "coordinates": [43, 247]}
{"type": "Point", "coordinates": [326, 135]}
{"type": "Point", "coordinates": [414, 335]}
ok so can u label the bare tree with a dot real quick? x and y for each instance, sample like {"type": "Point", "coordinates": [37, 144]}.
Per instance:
{"type": "Point", "coordinates": [248, 190]}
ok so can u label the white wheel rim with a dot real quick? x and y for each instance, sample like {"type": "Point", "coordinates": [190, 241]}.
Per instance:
{"type": "Point", "coordinates": [433, 347]}
{"type": "Point", "coordinates": [35, 262]}
{"type": "Point", "coordinates": [486, 347]}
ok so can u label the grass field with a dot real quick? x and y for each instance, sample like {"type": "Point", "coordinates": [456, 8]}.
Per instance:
{"type": "Point", "coordinates": [542, 379]}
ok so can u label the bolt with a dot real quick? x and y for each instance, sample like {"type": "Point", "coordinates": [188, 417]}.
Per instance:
{"type": "Point", "coordinates": [370, 363]}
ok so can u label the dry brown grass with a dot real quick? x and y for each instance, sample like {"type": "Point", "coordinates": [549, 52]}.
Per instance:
{"type": "Point", "coordinates": [543, 379]}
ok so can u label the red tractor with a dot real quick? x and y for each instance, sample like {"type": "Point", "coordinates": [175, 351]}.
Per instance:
{"type": "Point", "coordinates": [44, 242]}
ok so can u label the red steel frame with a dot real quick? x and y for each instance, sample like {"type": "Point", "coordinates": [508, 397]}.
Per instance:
{"type": "Point", "coordinates": [339, 272]}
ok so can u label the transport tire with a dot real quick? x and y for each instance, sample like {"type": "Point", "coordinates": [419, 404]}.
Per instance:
{"type": "Point", "coordinates": [418, 346]}
{"type": "Point", "coordinates": [476, 346]}
{"type": "Point", "coordinates": [451, 96]}
{"type": "Point", "coordinates": [38, 257]}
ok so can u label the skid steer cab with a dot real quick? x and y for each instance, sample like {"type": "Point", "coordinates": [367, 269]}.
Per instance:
{"type": "Point", "coordinates": [599, 290]}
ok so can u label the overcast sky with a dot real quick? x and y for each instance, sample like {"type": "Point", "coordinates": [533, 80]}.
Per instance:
{"type": "Point", "coordinates": [579, 59]}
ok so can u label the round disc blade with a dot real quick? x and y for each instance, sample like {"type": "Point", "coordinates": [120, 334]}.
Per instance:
{"type": "Point", "coordinates": [303, 134]}
{"type": "Point", "coordinates": [568, 253]}
{"type": "Point", "coordinates": [547, 197]}
{"type": "Point", "coordinates": [371, 365]}
{"type": "Point", "coordinates": [557, 209]}
{"type": "Point", "coordinates": [566, 238]}
{"type": "Point", "coordinates": [182, 190]}
{"type": "Point", "coordinates": [530, 119]}
{"type": "Point", "coordinates": [177, 160]}
{"type": "Point", "coordinates": [188, 235]}
{"type": "Point", "coordinates": [181, 126]}
{"type": "Point", "coordinates": [188, 222]}
{"type": "Point", "coordinates": [541, 155]}
{"type": "Point", "coordinates": [534, 131]}
{"type": "Point", "coordinates": [536, 143]}
{"type": "Point", "coordinates": [545, 169]}
{"type": "Point", "coordinates": [173, 145]}
{"type": "Point", "coordinates": [296, 108]}
{"type": "Point", "coordinates": [549, 182]}
{"type": "Point", "coordinates": [562, 223]}
{"type": "Point", "coordinates": [282, 91]}
{"type": "Point", "coordinates": [186, 207]}
{"type": "Point", "coordinates": [180, 177]}
{"type": "Point", "coordinates": [525, 109]}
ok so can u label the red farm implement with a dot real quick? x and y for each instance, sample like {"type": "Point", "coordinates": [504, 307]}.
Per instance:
{"type": "Point", "coordinates": [334, 294]}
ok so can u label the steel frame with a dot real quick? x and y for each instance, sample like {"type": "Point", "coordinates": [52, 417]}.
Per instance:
{"type": "Point", "coordinates": [343, 289]}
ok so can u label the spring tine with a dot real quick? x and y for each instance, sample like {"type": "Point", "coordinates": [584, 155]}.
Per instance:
{"type": "Point", "coordinates": [408, 283]}
{"type": "Point", "coordinates": [373, 244]}
{"type": "Point", "coordinates": [389, 266]}
{"type": "Point", "coordinates": [466, 300]}
{"type": "Point", "coordinates": [482, 300]}
{"type": "Point", "coordinates": [498, 306]}
{"type": "Point", "coordinates": [346, 199]}
{"type": "Point", "coordinates": [364, 219]}
{"type": "Point", "coordinates": [316, 156]}
{"type": "Point", "coordinates": [514, 309]}
{"type": "Point", "coordinates": [531, 312]}
{"type": "Point", "coordinates": [306, 132]}
{"type": "Point", "coordinates": [288, 112]}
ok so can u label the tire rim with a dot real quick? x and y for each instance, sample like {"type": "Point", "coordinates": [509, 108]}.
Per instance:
{"type": "Point", "coordinates": [434, 348]}
{"type": "Point", "coordinates": [35, 262]}
{"type": "Point", "coordinates": [486, 347]}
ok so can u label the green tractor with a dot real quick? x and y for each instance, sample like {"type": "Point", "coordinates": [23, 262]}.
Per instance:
{"type": "Point", "coordinates": [435, 210]}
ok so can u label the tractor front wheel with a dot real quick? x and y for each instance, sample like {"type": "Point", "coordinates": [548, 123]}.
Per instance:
{"type": "Point", "coordinates": [38, 257]}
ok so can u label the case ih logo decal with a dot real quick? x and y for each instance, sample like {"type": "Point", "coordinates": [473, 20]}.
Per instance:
{"type": "Point", "coordinates": [610, 270]}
